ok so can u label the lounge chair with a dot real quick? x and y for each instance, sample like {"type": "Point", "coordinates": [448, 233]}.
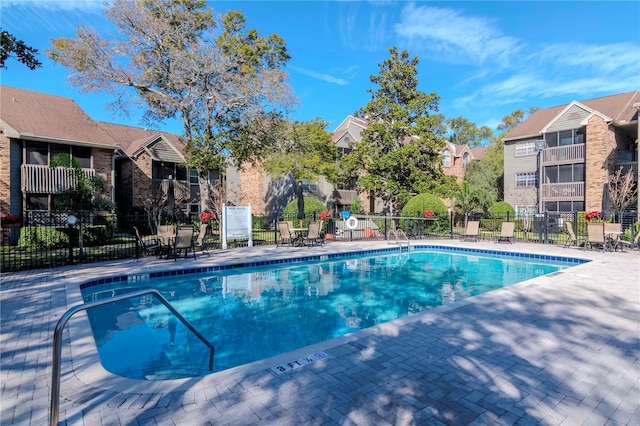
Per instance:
{"type": "Point", "coordinates": [199, 243]}
{"type": "Point", "coordinates": [595, 236]}
{"type": "Point", "coordinates": [506, 233]}
{"type": "Point", "coordinates": [286, 237]}
{"type": "Point", "coordinates": [471, 231]}
{"type": "Point", "coordinates": [183, 242]}
{"type": "Point", "coordinates": [313, 235]}
{"type": "Point", "coordinates": [630, 244]}
{"type": "Point", "coordinates": [573, 240]}
{"type": "Point", "coordinates": [150, 246]}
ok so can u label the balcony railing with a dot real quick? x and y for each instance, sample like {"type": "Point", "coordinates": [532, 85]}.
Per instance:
{"type": "Point", "coordinates": [629, 166]}
{"type": "Point", "coordinates": [181, 188]}
{"type": "Point", "coordinates": [563, 154]}
{"type": "Point", "coordinates": [568, 191]}
{"type": "Point", "coordinates": [47, 180]}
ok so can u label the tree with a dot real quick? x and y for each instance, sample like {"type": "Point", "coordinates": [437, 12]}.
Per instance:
{"type": "Point", "coordinates": [462, 131]}
{"type": "Point", "coordinates": [10, 46]}
{"type": "Point", "coordinates": [304, 151]}
{"type": "Point", "coordinates": [623, 192]}
{"type": "Point", "coordinates": [177, 60]}
{"type": "Point", "coordinates": [85, 193]}
{"type": "Point", "coordinates": [468, 201]}
{"type": "Point", "coordinates": [399, 154]}
{"type": "Point", "coordinates": [482, 176]}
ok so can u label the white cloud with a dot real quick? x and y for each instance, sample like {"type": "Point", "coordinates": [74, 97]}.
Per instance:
{"type": "Point", "coordinates": [454, 37]}
{"type": "Point", "coordinates": [320, 76]}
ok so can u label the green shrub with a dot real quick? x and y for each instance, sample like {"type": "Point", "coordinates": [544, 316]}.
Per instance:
{"type": "Point", "coordinates": [420, 203]}
{"type": "Point", "coordinates": [356, 207]}
{"type": "Point", "coordinates": [500, 210]}
{"type": "Point", "coordinates": [260, 222]}
{"type": "Point", "coordinates": [42, 237]}
{"type": "Point", "coordinates": [96, 235]}
{"type": "Point", "coordinates": [311, 206]}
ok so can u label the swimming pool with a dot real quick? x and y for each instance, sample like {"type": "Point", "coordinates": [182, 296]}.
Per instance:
{"type": "Point", "coordinates": [259, 310]}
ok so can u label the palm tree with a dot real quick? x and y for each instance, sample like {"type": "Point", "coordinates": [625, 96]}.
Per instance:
{"type": "Point", "coordinates": [468, 200]}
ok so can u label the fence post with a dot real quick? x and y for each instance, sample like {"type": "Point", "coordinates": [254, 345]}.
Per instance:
{"type": "Point", "coordinates": [451, 225]}
{"type": "Point", "coordinates": [546, 227]}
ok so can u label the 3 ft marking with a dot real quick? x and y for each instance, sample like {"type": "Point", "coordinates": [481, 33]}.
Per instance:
{"type": "Point", "coordinates": [300, 362]}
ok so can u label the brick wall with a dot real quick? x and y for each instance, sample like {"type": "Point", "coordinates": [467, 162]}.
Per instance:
{"type": "Point", "coordinates": [599, 147]}
{"type": "Point", "coordinates": [252, 188]}
{"type": "Point", "coordinates": [142, 179]}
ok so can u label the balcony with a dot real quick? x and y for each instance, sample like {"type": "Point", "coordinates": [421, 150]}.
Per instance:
{"type": "Point", "coordinates": [563, 154]}
{"type": "Point", "coordinates": [40, 179]}
{"type": "Point", "coordinates": [567, 191]}
{"type": "Point", "coordinates": [633, 166]}
{"type": "Point", "coordinates": [181, 188]}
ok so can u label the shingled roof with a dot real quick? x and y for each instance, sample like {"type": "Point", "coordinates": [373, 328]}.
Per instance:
{"type": "Point", "coordinates": [617, 107]}
{"type": "Point", "coordinates": [34, 115]}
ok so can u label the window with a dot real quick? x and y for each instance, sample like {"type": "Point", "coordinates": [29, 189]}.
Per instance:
{"type": "Point", "coordinates": [565, 137]}
{"type": "Point", "coordinates": [525, 148]}
{"type": "Point", "coordinates": [465, 160]}
{"type": "Point", "coordinates": [551, 139]}
{"type": "Point", "coordinates": [524, 180]}
{"type": "Point", "coordinates": [309, 186]}
{"type": "Point", "coordinates": [37, 153]}
{"type": "Point", "coordinates": [564, 173]}
{"type": "Point", "coordinates": [446, 159]}
{"type": "Point", "coordinates": [162, 170]}
{"type": "Point", "coordinates": [37, 202]}
{"type": "Point", "coordinates": [82, 155]}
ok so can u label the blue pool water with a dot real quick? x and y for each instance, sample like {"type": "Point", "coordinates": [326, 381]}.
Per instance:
{"type": "Point", "coordinates": [254, 312]}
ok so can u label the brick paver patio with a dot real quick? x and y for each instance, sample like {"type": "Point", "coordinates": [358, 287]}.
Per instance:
{"type": "Point", "coordinates": [556, 350]}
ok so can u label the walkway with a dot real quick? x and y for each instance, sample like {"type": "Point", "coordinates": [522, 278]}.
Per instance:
{"type": "Point", "coordinates": [557, 350]}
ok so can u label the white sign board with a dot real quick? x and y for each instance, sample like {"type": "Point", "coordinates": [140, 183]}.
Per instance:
{"type": "Point", "coordinates": [236, 224]}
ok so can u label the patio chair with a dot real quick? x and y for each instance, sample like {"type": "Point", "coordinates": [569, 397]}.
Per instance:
{"type": "Point", "coordinates": [630, 244]}
{"type": "Point", "coordinates": [595, 236]}
{"type": "Point", "coordinates": [612, 233]}
{"type": "Point", "coordinates": [573, 240]}
{"type": "Point", "coordinates": [286, 237]}
{"type": "Point", "coordinates": [183, 242]}
{"type": "Point", "coordinates": [150, 246]}
{"type": "Point", "coordinates": [313, 235]}
{"type": "Point", "coordinates": [199, 243]}
{"type": "Point", "coordinates": [506, 233]}
{"type": "Point", "coordinates": [165, 235]}
{"type": "Point", "coordinates": [471, 231]}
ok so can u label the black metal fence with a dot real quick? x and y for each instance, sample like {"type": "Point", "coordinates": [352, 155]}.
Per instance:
{"type": "Point", "coordinates": [47, 240]}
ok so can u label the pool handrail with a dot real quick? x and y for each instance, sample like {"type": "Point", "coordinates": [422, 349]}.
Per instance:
{"type": "Point", "coordinates": [54, 409]}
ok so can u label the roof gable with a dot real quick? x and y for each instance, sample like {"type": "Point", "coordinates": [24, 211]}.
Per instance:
{"type": "Point", "coordinates": [134, 140]}
{"type": "Point", "coordinates": [618, 107]}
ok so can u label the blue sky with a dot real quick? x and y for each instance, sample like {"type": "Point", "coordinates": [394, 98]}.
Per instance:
{"type": "Point", "coordinates": [484, 59]}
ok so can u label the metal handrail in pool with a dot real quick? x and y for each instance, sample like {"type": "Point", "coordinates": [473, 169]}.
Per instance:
{"type": "Point", "coordinates": [57, 341]}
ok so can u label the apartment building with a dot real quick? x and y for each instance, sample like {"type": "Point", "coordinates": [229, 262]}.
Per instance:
{"type": "Point", "coordinates": [134, 162]}
{"type": "Point", "coordinates": [560, 158]}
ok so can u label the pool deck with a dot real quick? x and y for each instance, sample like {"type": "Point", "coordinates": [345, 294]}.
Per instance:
{"type": "Point", "coordinates": [563, 349]}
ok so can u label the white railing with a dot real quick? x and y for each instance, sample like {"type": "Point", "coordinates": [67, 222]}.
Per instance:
{"type": "Point", "coordinates": [563, 191]}
{"type": "Point", "coordinates": [563, 154]}
{"type": "Point", "coordinates": [48, 180]}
